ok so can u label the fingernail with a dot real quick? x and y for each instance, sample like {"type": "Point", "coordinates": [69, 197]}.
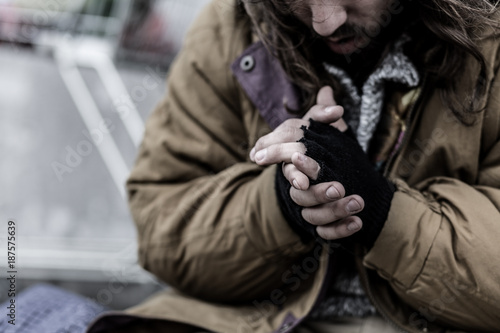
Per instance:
{"type": "Point", "coordinates": [296, 184]}
{"type": "Point", "coordinates": [252, 153]}
{"type": "Point", "coordinates": [353, 226]}
{"type": "Point", "coordinates": [353, 206]}
{"type": "Point", "coordinates": [332, 193]}
{"type": "Point", "coordinates": [330, 109]}
{"type": "Point", "coordinates": [301, 157]}
{"type": "Point", "coordinates": [261, 154]}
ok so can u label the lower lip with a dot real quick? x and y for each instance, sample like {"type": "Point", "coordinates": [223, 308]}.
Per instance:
{"type": "Point", "coordinates": [347, 47]}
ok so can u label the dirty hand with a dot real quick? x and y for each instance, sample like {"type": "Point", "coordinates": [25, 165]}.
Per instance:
{"type": "Point", "coordinates": [281, 145]}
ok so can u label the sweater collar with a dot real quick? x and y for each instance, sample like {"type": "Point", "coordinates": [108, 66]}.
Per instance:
{"type": "Point", "coordinates": [363, 109]}
{"type": "Point", "coordinates": [267, 86]}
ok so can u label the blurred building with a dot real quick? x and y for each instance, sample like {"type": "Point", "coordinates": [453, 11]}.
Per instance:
{"type": "Point", "coordinates": [78, 79]}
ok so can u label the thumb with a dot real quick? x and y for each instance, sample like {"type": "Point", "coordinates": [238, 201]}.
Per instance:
{"type": "Point", "coordinates": [325, 96]}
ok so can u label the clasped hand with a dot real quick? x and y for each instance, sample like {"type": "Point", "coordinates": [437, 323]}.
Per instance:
{"type": "Point", "coordinates": [325, 204]}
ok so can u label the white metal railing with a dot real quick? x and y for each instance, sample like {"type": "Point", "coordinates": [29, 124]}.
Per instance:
{"type": "Point", "coordinates": [26, 24]}
{"type": "Point", "coordinates": [79, 41]}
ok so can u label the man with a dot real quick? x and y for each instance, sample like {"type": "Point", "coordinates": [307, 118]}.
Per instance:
{"type": "Point", "coordinates": [324, 166]}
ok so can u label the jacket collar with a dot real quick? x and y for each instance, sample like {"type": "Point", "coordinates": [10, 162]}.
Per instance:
{"type": "Point", "coordinates": [254, 69]}
{"type": "Point", "coordinates": [269, 95]}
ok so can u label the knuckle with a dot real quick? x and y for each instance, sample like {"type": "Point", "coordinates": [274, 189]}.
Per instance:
{"type": "Point", "coordinates": [294, 171]}
{"type": "Point", "coordinates": [294, 194]}
{"type": "Point", "coordinates": [283, 125]}
{"type": "Point", "coordinates": [290, 134]}
{"type": "Point", "coordinates": [294, 123]}
{"type": "Point", "coordinates": [287, 169]}
{"type": "Point", "coordinates": [290, 176]}
{"type": "Point", "coordinates": [261, 143]}
{"type": "Point", "coordinates": [306, 215]}
{"type": "Point", "coordinates": [297, 175]}
{"type": "Point", "coordinates": [258, 144]}
{"type": "Point", "coordinates": [332, 210]}
{"type": "Point", "coordinates": [338, 230]}
{"type": "Point", "coordinates": [321, 233]}
{"type": "Point", "coordinates": [318, 196]}
{"type": "Point", "coordinates": [298, 147]}
{"type": "Point", "coordinates": [298, 123]}
{"type": "Point", "coordinates": [302, 148]}
{"type": "Point", "coordinates": [317, 108]}
{"type": "Point", "coordinates": [274, 149]}
{"type": "Point", "coordinates": [314, 111]}
{"type": "Point", "coordinates": [329, 232]}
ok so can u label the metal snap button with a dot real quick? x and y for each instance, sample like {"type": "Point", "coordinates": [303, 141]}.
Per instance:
{"type": "Point", "coordinates": [247, 63]}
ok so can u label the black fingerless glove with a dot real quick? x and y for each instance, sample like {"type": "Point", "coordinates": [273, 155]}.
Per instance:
{"type": "Point", "coordinates": [341, 159]}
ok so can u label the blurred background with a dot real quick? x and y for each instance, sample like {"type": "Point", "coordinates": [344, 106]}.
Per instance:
{"type": "Point", "coordinates": [77, 80]}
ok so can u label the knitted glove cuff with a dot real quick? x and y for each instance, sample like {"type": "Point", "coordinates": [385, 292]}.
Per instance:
{"type": "Point", "coordinates": [291, 211]}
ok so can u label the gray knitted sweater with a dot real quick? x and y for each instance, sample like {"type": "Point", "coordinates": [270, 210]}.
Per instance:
{"type": "Point", "coordinates": [346, 297]}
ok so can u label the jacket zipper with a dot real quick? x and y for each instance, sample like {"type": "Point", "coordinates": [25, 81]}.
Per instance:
{"type": "Point", "coordinates": [409, 128]}
{"type": "Point", "coordinates": [363, 274]}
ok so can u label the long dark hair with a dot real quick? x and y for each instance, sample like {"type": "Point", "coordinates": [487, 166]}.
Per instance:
{"type": "Point", "coordinates": [451, 30]}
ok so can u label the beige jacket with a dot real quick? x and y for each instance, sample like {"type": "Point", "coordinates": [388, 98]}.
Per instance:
{"type": "Point", "coordinates": [209, 224]}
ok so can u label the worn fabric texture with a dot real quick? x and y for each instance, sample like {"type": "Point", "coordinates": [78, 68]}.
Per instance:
{"type": "Point", "coordinates": [363, 109]}
{"type": "Point", "coordinates": [372, 324]}
{"type": "Point", "coordinates": [209, 224]}
{"type": "Point", "coordinates": [348, 298]}
{"type": "Point", "coordinates": [341, 159]}
{"type": "Point", "coordinates": [345, 297]}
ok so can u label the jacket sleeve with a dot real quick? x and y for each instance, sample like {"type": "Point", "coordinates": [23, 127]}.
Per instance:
{"type": "Point", "coordinates": [208, 220]}
{"type": "Point", "coordinates": [440, 247]}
